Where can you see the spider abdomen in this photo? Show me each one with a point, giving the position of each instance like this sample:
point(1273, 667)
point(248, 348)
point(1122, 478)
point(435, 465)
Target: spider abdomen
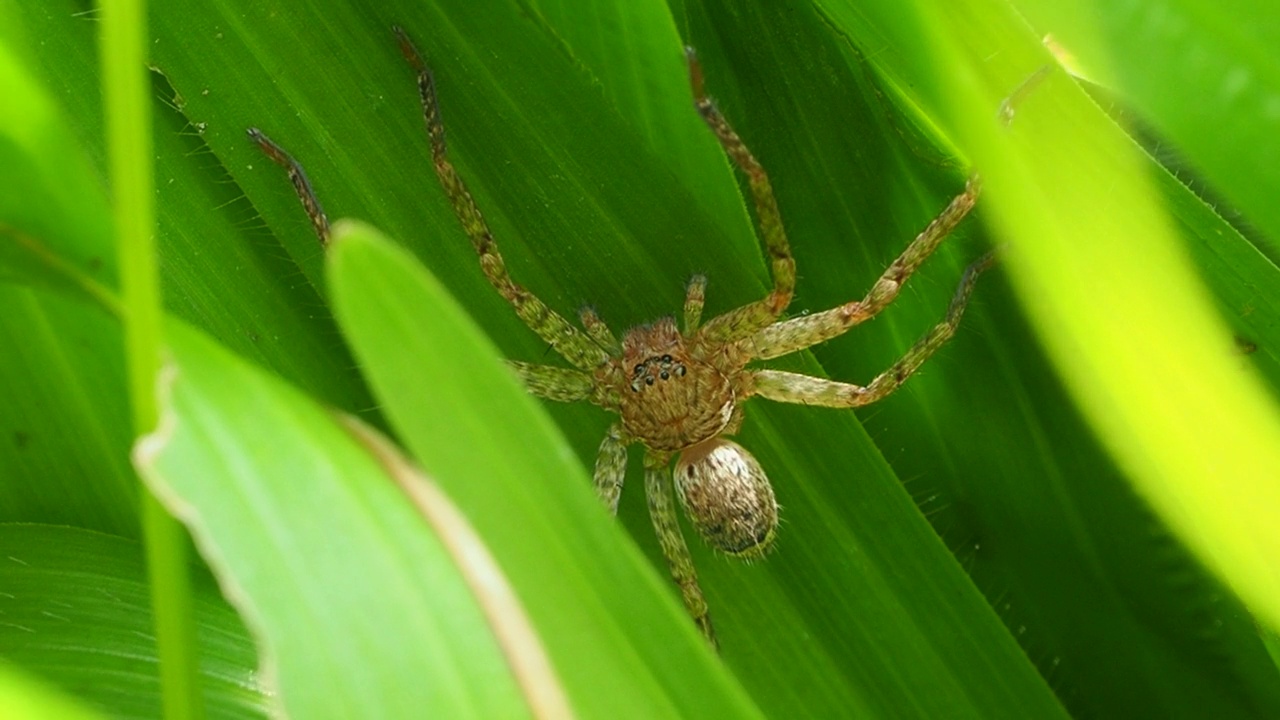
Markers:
point(728, 497)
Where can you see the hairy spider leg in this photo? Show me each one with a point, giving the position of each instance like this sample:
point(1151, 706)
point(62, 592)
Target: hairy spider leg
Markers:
point(748, 319)
point(799, 333)
point(695, 296)
point(611, 467)
point(598, 331)
point(807, 390)
point(301, 185)
point(662, 510)
point(553, 383)
point(564, 338)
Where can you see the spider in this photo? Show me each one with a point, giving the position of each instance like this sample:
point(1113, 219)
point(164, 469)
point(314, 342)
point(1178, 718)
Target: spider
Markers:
point(679, 390)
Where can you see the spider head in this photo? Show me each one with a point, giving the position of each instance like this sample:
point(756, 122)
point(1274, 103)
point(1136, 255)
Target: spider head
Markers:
point(728, 497)
point(668, 399)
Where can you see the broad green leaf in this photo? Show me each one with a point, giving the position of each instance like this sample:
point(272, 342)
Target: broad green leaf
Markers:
point(22, 696)
point(220, 270)
point(359, 608)
point(635, 53)
point(1204, 74)
point(1142, 596)
point(77, 613)
point(66, 434)
point(53, 215)
point(600, 193)
point(64, 416)
point(1179, 444)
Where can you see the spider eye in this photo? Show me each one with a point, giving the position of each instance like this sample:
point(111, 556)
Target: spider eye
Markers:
point(728, 497)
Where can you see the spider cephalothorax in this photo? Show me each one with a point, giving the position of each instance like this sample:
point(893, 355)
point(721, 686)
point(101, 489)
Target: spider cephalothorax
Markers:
point(680, 392)
point(670, 396)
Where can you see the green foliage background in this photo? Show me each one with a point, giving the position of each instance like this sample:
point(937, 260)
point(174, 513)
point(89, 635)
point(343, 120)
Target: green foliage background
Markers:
point(966, 548)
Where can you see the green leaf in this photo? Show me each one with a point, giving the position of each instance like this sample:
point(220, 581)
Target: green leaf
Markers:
point(601, 189)
point(76, 611)
point(56, 228)
point(1114, 300)
point(65, 421)
point(23, 696)
point(321, 551)
point(1051, 168)
point(1204, 74)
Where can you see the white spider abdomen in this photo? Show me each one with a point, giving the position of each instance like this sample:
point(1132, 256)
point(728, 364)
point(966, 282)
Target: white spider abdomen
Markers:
point(727, 496)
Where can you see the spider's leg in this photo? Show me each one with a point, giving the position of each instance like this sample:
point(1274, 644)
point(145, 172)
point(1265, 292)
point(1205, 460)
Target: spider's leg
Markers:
point(571, 344)
point(799, 333)
point(553, 383)
point(807, 390)
point(662, 510)
point(301, 185)
point(695, 296)
point(598, 331)
point(611, 468)
point(742, 322)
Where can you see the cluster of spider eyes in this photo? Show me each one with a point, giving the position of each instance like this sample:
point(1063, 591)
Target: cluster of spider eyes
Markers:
point(666, 366)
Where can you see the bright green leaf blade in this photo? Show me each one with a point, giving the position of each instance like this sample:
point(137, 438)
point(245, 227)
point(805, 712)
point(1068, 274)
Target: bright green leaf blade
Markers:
point(24, 697)
point(333, 568)
point(1178, 443)
point(1094, 586)
point(77, 612)
point(65, 420)
point(65, 424)
point(1205, 74)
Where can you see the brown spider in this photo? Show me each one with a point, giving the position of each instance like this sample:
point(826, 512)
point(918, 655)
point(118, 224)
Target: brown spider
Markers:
point(679, 391)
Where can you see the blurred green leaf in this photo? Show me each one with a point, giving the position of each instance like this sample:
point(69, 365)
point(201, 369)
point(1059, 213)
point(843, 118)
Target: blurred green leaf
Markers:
point(1204, 74)
point(360, 608)
point(55, 226)
point(76, 612)
point(1126, 567)
point(64, 419)
point(23, 696)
